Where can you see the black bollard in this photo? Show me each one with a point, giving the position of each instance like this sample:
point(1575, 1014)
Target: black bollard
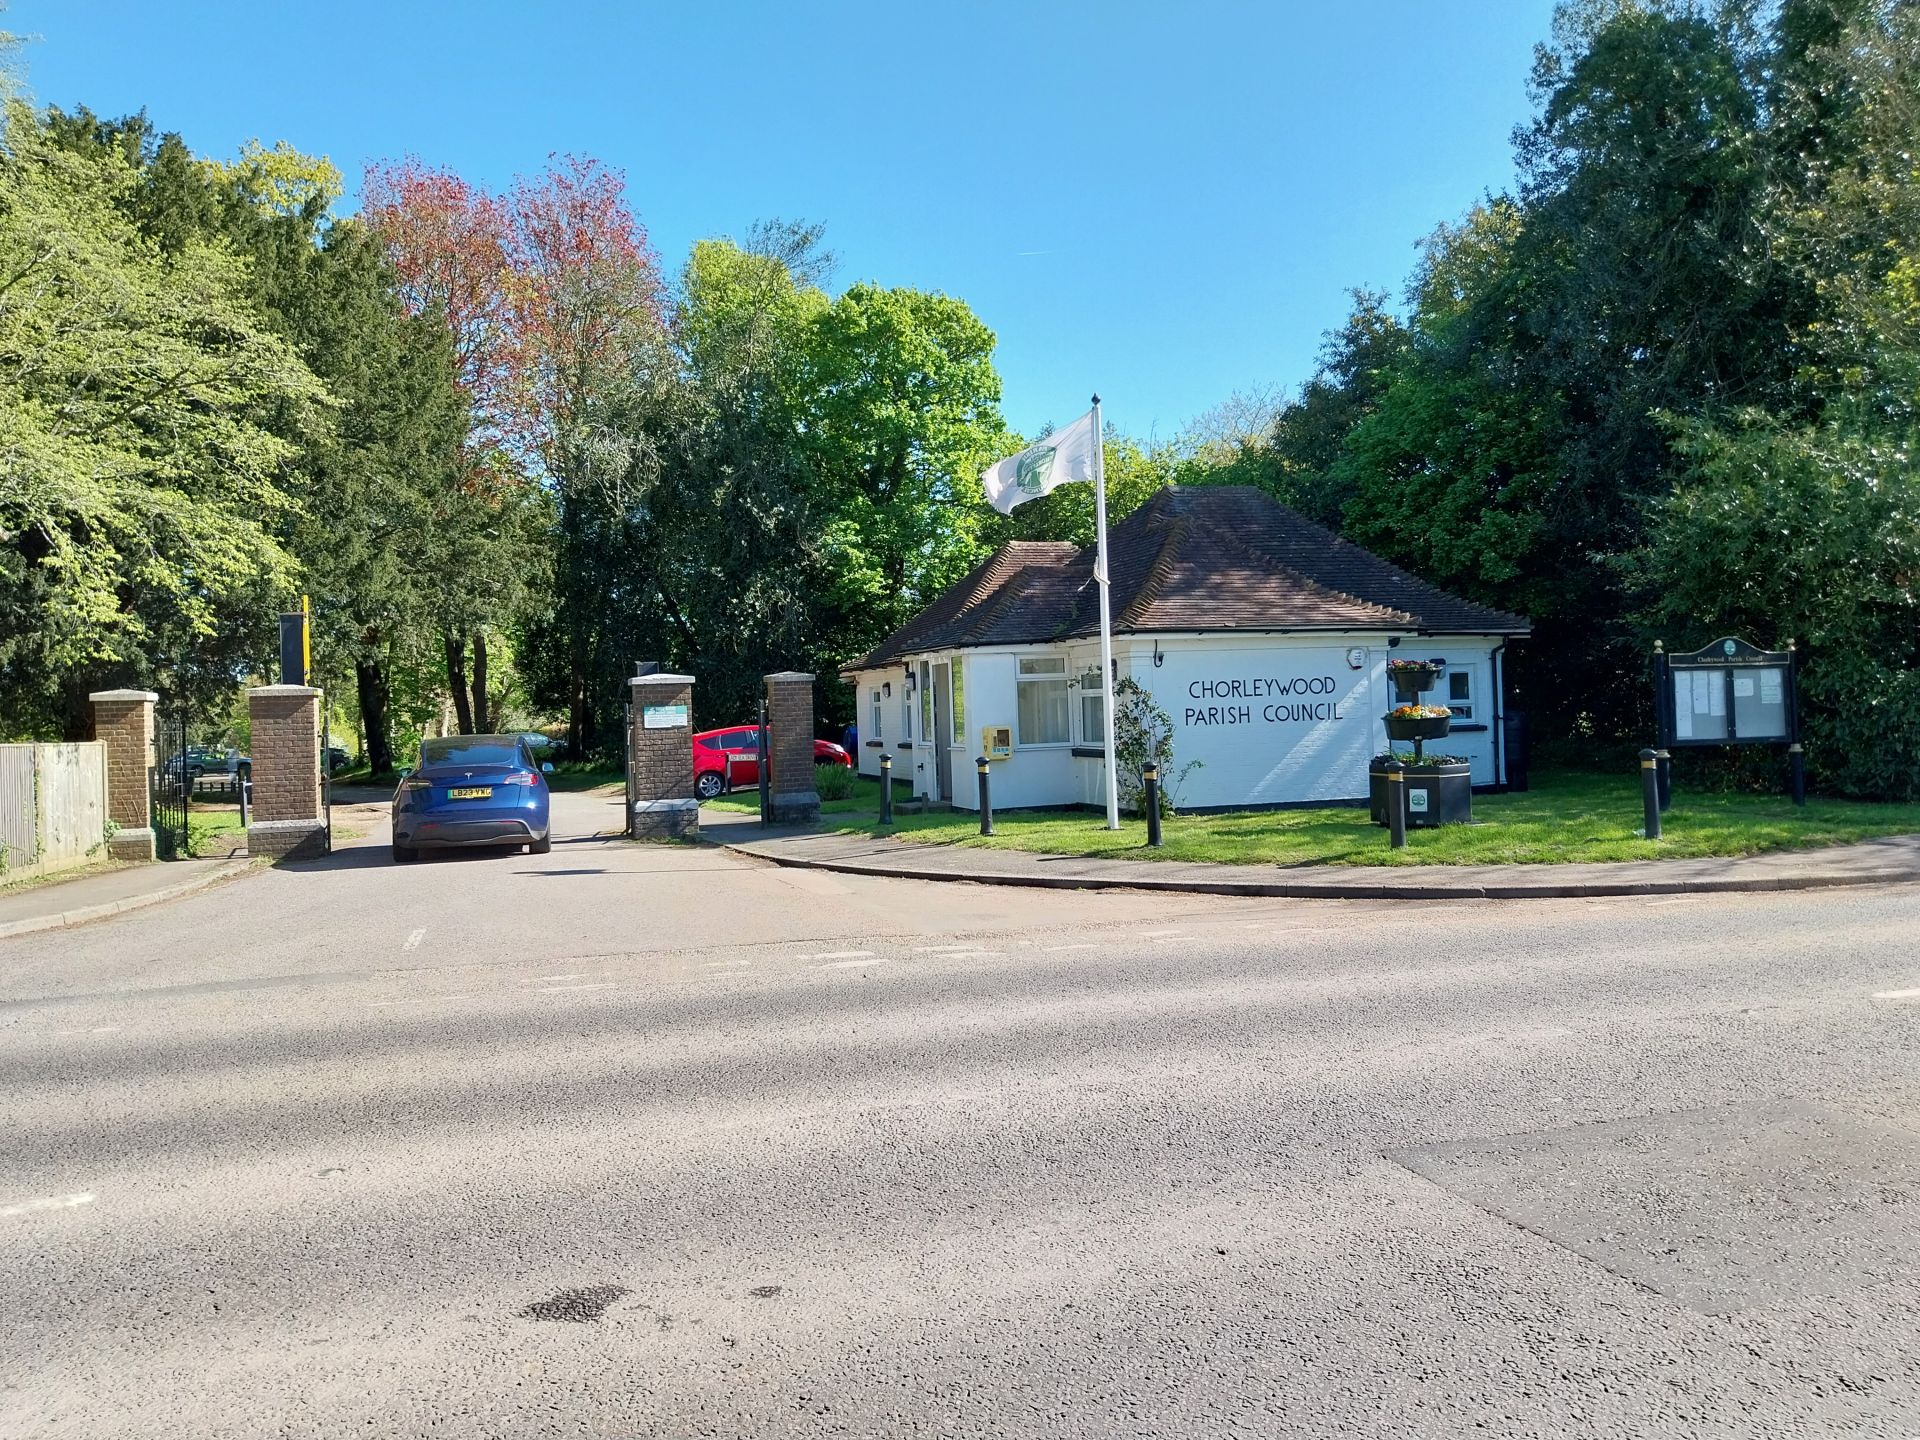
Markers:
point(886, 788)
point(1797, 763)
point(1664, 770)
point(1650, 791)
point(1150, 785)
point(1396, 805)
point(986, 800)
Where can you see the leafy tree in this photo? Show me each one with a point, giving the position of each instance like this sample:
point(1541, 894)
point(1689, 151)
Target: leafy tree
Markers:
point(139, 509)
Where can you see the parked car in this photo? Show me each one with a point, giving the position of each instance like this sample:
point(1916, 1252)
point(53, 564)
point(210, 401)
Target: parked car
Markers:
point(723, 759)
point(337, 759)
point(472, 790)
point(205, 760)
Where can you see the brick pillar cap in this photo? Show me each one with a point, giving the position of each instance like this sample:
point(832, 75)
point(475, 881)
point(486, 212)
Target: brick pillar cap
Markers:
point(283, 690)
point(660, 678)
point(150, 696)
point(790, 675)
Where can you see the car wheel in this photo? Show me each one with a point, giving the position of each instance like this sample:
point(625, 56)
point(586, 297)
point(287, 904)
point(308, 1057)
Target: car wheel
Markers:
point(405, 854)
point(245, 772)
point(541, 846)
point(709, 784)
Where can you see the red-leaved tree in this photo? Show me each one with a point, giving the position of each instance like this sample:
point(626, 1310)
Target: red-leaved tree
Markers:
point(554, 302)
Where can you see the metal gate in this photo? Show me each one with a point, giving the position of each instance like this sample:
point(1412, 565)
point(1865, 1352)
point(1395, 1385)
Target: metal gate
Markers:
point(171, 778)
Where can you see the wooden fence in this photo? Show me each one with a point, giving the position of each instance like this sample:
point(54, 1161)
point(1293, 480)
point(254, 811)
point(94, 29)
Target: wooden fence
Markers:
point(53, 807)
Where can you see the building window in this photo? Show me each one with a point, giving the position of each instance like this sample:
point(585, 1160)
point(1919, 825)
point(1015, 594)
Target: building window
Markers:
point(926, 700)
point(1460, 692)
point(1043, 711)
point(1093, 709)
point(877, 712)
point(959, 704)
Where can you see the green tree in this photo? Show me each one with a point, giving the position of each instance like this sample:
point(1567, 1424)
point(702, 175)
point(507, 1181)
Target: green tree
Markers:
point(140, 510)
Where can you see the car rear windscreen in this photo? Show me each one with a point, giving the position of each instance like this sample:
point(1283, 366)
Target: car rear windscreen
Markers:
point(468, 752)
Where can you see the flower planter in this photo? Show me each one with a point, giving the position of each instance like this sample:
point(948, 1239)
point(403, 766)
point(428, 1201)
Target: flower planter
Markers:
point(1410, 729)
point(1413, 681)
point(1436, 795)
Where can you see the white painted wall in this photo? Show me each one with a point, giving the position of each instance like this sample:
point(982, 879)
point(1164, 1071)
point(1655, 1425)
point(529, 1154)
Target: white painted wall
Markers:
point(1273, 719)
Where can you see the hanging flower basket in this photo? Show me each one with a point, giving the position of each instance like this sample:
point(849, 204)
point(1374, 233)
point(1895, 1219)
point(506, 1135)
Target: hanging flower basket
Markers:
point(1419, 722)
point(1412, 678)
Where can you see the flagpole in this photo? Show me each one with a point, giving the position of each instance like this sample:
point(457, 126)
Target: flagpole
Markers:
point(1106, 615)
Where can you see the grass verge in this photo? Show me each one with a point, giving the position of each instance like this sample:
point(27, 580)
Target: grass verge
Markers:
point(1567, 817)
point(865, 799)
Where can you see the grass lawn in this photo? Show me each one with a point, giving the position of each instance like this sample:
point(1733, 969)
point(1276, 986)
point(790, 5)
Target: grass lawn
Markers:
point(864, 799)
point(1567, 816)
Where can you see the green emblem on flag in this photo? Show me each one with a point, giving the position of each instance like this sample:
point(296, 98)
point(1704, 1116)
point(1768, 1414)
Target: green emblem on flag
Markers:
point(1030, 476)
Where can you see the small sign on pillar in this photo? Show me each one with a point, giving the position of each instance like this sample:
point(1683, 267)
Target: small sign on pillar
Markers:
point(661, 804)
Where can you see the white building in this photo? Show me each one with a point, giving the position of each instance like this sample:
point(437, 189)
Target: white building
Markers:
point(1264, 636)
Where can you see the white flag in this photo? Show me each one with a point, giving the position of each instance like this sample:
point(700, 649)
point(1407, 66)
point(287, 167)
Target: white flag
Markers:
point(1063, 457)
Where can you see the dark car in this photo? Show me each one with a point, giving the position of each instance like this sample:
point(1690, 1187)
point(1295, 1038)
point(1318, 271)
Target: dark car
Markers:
point(337, 759)
point(723, 759)
point(472, 790)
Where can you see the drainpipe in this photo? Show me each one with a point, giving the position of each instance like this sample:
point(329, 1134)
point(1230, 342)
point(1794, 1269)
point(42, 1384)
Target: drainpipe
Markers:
point(1499, 717)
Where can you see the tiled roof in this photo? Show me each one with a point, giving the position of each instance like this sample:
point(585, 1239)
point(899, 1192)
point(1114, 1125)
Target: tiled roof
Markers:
point(1193, 558)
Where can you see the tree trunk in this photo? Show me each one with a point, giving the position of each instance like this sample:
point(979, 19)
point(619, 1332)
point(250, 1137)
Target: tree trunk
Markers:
point(482, 722)
point(370, 676)
point(457, 680)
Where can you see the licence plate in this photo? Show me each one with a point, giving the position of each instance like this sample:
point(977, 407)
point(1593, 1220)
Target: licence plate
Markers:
point(471, 792)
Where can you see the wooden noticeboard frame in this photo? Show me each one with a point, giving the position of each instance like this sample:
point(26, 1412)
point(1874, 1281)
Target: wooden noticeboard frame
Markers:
point(1728, 693)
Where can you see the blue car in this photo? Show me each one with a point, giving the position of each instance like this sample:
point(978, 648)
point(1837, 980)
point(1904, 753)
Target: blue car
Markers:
point(472, 790)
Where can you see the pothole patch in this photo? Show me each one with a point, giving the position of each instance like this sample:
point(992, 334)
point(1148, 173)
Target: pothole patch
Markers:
point(577, 1306)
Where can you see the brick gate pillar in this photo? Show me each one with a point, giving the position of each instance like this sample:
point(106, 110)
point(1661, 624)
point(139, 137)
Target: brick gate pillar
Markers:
point(794, 800)
point(660, 759)
point(288, 821)
point(123, 722)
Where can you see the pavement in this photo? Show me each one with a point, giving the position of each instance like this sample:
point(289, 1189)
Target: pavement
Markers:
point(57, 903)
point(1894, 860)
point(670, 1141)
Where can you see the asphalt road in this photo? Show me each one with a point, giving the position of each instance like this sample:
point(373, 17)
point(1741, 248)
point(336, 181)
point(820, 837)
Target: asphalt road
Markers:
point(650, 1141)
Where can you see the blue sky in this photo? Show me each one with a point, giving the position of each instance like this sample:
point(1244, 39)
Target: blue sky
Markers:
point(1163, 201)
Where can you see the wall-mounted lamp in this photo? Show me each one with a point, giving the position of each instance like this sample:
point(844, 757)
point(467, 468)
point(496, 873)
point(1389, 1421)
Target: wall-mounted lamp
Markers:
point(886, 688)
point(1158, 658)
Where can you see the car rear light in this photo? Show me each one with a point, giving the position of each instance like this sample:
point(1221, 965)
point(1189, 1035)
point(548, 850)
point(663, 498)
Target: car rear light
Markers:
point(416, 784)
point(519, 778)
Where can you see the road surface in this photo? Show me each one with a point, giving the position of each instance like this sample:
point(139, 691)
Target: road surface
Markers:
point(654, 1141)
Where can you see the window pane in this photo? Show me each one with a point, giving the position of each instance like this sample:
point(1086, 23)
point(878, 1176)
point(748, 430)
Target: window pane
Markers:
point(876, 717)
point(1459, 686)
point(959, 699)
point(1043, 712)
point(1043, 665)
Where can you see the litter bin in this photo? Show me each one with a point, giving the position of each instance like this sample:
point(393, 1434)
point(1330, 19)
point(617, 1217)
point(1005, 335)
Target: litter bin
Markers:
point(1513, 739)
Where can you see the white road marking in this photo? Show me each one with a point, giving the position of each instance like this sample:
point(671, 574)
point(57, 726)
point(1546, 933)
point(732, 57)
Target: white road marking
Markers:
point(1162, 934)
point(855, 964)
point(52, 1202)
point(420, 1000)
point(1896, 994)
point(944, 949)
point(836, 955)
point(724, 964)
point(563, 989)
point(540, 979)
point(1080, 945)
point(1674, 900)
point(413, 941)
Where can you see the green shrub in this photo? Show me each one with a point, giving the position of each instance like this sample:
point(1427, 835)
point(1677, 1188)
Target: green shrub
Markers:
point(833, 782)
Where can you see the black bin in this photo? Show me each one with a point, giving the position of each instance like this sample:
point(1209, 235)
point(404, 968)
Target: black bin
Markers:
point(1514, 740)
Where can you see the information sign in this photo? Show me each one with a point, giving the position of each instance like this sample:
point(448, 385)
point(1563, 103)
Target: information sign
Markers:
point(1730, 693)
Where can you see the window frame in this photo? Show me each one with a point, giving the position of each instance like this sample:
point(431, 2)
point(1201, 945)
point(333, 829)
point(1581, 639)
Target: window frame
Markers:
point(879, 712)
point(1050, 678)
point(1463, 707)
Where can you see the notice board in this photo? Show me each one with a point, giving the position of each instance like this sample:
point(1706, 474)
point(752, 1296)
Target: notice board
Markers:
point(1728, 693)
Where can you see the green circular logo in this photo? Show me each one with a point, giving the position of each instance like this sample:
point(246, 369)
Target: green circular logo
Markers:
point(1030, 476)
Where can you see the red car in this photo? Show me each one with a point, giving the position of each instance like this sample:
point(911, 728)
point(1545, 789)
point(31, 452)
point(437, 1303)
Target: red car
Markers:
point(723, 759)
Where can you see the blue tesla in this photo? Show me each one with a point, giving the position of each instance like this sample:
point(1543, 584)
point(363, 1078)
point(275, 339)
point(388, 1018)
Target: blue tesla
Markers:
point(472, 790)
